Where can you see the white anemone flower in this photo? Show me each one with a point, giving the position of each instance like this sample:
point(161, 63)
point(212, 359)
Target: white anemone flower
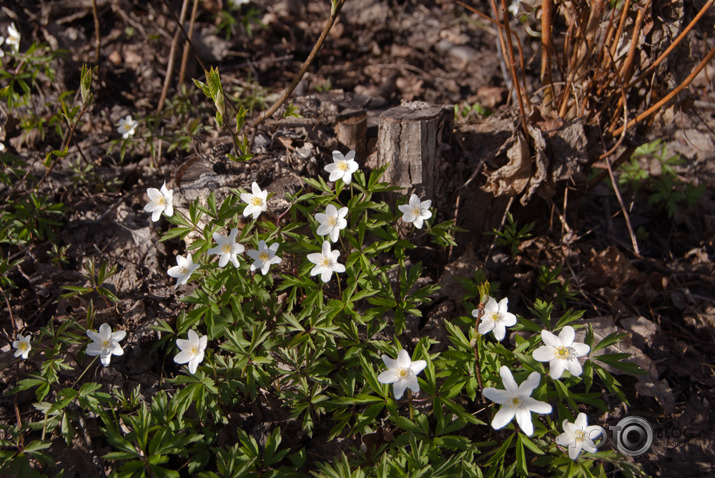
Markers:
point(256, 201)
point(160, 201)
point(192, 350)
point(13, 37)
point(579, 435)
point(127, 126)
point(332, 222)
point(326, 262)
point(342, 167)
point(402, 373)
point(2, 146)
point(227, 248)
point(22, 344)
point(105, 343)
point(496, 318)
point(264, 257)
point(561, 352)
point(183, 269)
point(516, 400)
point(416, 211)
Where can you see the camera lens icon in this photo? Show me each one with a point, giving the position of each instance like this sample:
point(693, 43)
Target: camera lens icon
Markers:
point(633, 436)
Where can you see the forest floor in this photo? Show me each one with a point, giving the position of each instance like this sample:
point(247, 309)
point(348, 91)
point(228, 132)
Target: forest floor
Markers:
point(380, 52)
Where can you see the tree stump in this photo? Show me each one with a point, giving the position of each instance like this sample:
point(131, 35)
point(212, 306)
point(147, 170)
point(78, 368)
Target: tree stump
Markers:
point(351, 130)
point(410, 139)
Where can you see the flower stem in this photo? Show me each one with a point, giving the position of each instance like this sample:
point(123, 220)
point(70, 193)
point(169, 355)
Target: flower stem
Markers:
point(477, 364)
point(409, 404)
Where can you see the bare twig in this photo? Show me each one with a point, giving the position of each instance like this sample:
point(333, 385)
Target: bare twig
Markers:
point(546, 43)
point(185, 55)
point(172, 52)
point(512, 68)
point(670, 95)
point(634, 241)
point(675, 43)
point(335, 11)
point(97, 43)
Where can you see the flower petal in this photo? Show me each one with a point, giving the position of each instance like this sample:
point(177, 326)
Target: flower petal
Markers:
point(557, 368)
point(523, 418)
point(399, 388)
point(545, 353)
point(567, 335)
point(497, 396)
point(508, 379)
point(528, 385)
point(550, 339)
point(503, 417)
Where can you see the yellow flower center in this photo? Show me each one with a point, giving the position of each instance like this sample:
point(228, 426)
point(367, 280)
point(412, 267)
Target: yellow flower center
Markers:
point(226, 248)
point(22, 346)
point(342, 165)
point(325, 262)
point(562, 352)
point(107, 344)
point(194, 350)
point(183, 271)
point(415, 211)
point(496, 317)
point(515, 401)
point(263, 256)
point(332, 221)
point(403, 373)
point(579, 435)
point(257, 202)
point(160, 200)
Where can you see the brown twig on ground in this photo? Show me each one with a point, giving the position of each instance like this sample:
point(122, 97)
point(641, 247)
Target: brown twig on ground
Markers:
point(634, 240)
point(172, 51)
point(335, 11)
point(185, 54)
point(547, 7)
point(509, 48)
point(97, 43)
point(670, 95)
point(675, 43)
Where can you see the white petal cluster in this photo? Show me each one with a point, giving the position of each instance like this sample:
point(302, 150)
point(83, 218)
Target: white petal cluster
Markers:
point(579, 435)
point(227, 248)
point(332, 222)
point(516, 400)
point(13, 37)
point(264, 257)
point(561, 352)
point(256, 201)
point(401, 373)
point(326, 262)
point(342, 167)
point(192, 350)
point(22, 346)
point(183, 269)
point(127, 126)
point(416, 211)
point(105, 343)
point(496, 318)
point(160, 201)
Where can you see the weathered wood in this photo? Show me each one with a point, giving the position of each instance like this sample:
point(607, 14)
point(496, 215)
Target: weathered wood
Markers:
point(410, 139)
point(351, 130)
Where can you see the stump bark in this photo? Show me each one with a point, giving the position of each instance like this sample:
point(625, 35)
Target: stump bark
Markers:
point(410, 139)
